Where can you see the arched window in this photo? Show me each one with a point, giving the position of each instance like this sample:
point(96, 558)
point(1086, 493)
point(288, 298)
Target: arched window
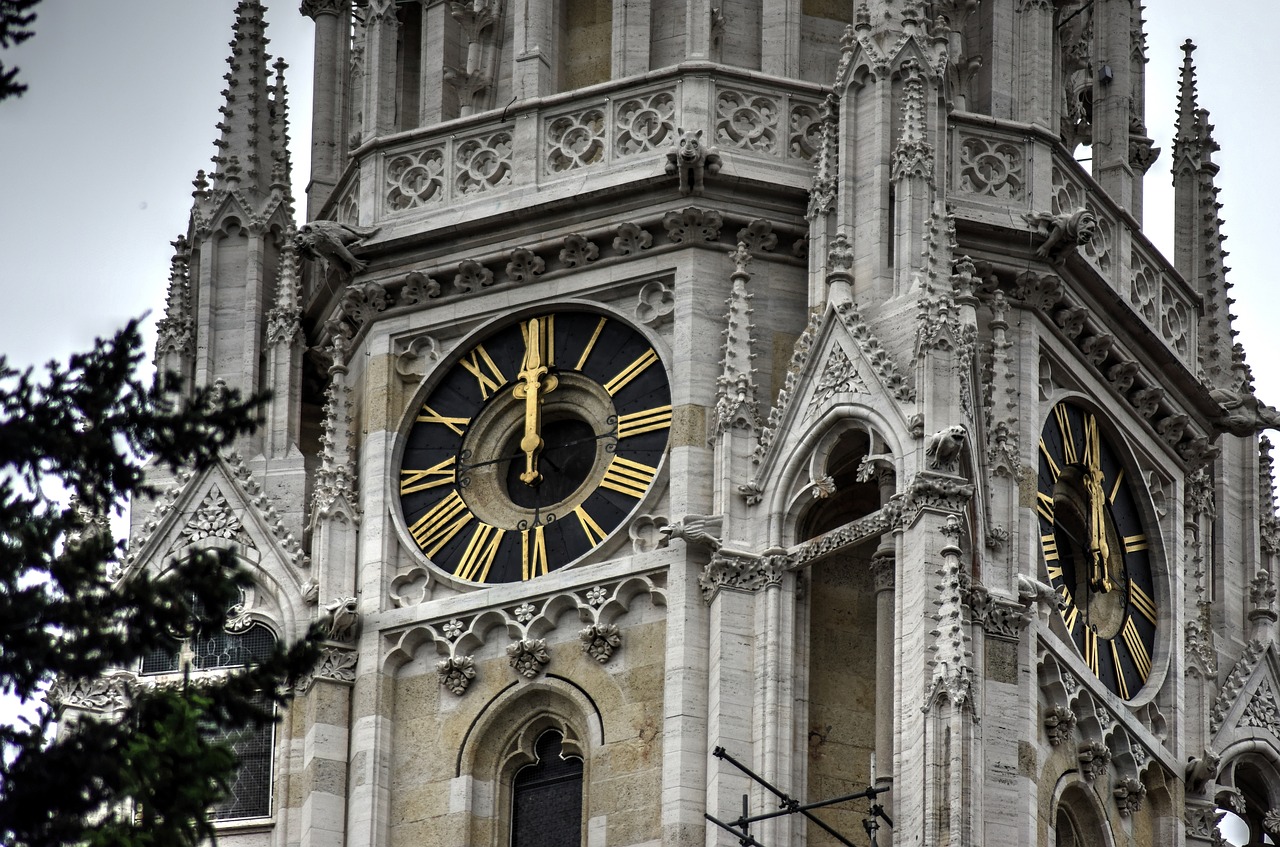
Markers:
point(237, 643)
point(546, 797)
point(1078, 822)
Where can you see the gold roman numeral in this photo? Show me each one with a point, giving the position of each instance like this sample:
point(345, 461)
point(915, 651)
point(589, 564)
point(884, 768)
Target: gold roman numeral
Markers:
point(546, 337)
point(1055, 571)
point(628, 477)
point(1121, 682)
point(659, 417)
point(594, 533)
point(630, 372)
point(1135, 543)
point(1070, 614)
point(441, 474)
point(479, 364)
point(480, 553)
point(434, 529)
point(1054, 470)
point(1050, 546)
point(1142, 602)
point(1044, 506)
point(533, 553)
point(430, 415)
point(1091, 649)
point(1137, 649)
point(591, 343)
point(1069, 455)
point(1115, 489)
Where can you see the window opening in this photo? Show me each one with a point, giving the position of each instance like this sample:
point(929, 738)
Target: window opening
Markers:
point(547, 797)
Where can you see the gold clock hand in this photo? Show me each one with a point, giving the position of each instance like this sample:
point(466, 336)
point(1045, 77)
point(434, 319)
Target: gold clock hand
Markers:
point(1100, 547)
point(534, 383)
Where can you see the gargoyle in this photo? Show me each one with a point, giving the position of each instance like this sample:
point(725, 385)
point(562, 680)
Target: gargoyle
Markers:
point(692, 161)
point(1243, 413)
point(341, 619)
point(943, 448)
point(330, 241)
point(1201, 769)
point(1034, 591)
point(1062, 233)
point(696, 530)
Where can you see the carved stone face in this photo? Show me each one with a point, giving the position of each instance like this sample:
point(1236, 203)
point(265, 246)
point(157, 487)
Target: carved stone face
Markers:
point(691, 146)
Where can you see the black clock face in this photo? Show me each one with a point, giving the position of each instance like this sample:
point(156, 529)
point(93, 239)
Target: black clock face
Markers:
point(1097, 549)
point(534, 446)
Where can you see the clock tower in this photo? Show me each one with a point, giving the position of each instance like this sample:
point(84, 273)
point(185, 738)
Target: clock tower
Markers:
point(677, 405)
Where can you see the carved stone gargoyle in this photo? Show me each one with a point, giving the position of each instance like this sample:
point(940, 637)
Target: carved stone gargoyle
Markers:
point(692, 160)
point(1062, 233)
point(1243, 413)
point(331, 242)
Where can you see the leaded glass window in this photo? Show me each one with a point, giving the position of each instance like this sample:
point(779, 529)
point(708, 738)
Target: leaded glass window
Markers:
point(547, 797)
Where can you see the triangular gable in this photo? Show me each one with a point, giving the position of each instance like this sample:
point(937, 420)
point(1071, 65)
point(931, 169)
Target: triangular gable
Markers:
point(223, 506)
point(1247, 706)
point(837, 362)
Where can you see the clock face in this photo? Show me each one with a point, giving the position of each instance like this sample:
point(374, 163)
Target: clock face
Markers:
point(534, 446)
point(1096, 549)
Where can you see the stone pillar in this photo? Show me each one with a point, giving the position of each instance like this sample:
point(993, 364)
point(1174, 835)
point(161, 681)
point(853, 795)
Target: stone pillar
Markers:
point(884, 574)
point(780, 38)
point(326, 113)
point(381, 32)
point(1112, 86)
point(632, 26)
point(534, 49)
point(325, 749)
point(1036, 60)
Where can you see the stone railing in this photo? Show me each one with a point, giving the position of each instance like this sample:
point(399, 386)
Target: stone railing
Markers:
point(998, 174)
point(754, 120)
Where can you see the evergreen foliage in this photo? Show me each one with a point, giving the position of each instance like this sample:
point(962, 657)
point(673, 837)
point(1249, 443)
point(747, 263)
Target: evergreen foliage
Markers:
point(16, 18)
point(150, 774)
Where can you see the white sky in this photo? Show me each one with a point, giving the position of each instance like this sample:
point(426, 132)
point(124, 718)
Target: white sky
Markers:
point(97, 158)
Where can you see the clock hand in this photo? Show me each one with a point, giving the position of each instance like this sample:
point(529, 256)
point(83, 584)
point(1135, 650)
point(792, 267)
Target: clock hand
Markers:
point(1099, 547)
point(534, 382)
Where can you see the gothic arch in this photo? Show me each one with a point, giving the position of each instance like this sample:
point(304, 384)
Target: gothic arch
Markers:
point(1079, 818)
point(503, 739)
point(1249, 785)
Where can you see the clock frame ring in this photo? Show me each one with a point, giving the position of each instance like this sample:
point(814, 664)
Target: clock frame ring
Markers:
point(1101, 548)
point(533, 444)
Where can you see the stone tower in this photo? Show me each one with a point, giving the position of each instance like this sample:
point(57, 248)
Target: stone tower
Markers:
point(679, 401)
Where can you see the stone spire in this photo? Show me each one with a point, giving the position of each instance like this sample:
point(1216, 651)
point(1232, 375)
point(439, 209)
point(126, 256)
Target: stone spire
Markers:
point(246, 154)
point(175, 332)
point(736, 401)
point(281, 165)
point(1198, 234)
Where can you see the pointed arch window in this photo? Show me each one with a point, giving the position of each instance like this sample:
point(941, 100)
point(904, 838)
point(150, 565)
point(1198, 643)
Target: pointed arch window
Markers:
point(546, 801)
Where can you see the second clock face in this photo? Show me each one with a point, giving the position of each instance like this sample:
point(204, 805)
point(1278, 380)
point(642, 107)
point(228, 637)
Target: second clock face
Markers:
point(1096, 549)
point(535, 445)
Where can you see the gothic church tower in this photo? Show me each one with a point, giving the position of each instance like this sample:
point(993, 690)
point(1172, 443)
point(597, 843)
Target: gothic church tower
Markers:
point(677, 403)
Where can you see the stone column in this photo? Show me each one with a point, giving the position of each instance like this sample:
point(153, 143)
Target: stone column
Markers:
point(326, 112)
point(534, 53)
point(632, 25)
point(325, 748)
point(780, 38)
point(381, 32)
point(884, 574)
point(1112, 86)
point(1037, 62)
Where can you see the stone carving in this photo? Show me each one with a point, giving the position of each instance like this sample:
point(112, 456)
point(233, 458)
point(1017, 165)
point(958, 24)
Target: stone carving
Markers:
point(1032, 591)
point(692, 161)
point(456, 673)
point(471, 275)
point(1261, 710)
point(341, 619)
point(252, 492)
point(644, 122)
point(600, 640)
point(528, 656)
point(1146, 401)
point(943, 449)
point(1121, 375)
point(311, 591)
point(695, 530)
point(1129, 793)
point(1094, 756)
point(1234, 683)
point(840, 375)
point(418, 288)
point(631, 239)
point(951, 662)
point(823, 487)
point(415, 179)
point(363, 303)
point(482, 163)
point(1058, 723)
point(692, 225)
point(214, 519)
point(646, 533)
point(875, 524)
point(656, 303)
point(1243, 413)
point(97, 695)
point(744, 573)
point(1200, 770)
point(1039, 291)
point(1096, 348)
point(524, 265)
point(331, 243)
point(416, 357)
point(1202, 822)
point(1172, 428)
point(747, 121)
point(758, 236)
point(575, 140)
point(335, 664)
point(577, 251)
point(1062, 233)
point(1271, 821)
point(991, 167)
point(1262, 594)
